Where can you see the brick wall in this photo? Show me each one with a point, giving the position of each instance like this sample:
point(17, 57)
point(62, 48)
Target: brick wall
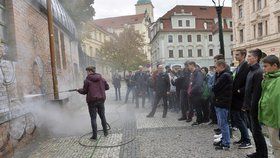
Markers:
point(29, 71)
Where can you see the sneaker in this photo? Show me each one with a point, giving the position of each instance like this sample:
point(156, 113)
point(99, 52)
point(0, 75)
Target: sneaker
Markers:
point(217, 143)
point(189, 120)
point(182, 119)
point(217, 136)
point(149, 116)
point(222, 147)
point(253, 155)
point(105, 134)
point(238, 142)
point(218, 139)
point(218, 133)
point(245, 145)
point(93, 138)
point(217, 130)
point(163, 116)
point(195, 124)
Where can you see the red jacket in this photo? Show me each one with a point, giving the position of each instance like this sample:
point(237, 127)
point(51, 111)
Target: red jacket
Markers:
point(94, 87)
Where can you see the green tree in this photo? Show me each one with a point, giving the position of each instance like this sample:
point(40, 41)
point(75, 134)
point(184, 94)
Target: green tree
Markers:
point(81, 11)
point(125, 51)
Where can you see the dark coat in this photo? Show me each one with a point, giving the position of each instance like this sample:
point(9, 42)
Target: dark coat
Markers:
point(182, 82)
point(94, 87)
point(129, 79)
point(223, 90)
point(196, 82)
point(141, 82)
point(116, 80)
point(162, 83)
point(253, 89)
point(239, 83)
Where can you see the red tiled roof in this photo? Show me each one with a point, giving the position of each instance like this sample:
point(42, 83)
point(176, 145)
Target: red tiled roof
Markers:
point(119, 22)
point(201, 13)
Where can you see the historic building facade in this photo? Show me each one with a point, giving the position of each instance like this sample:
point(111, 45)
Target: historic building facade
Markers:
point(140, 21)
point(92, 44)
point(190, 33)
point(257, 25)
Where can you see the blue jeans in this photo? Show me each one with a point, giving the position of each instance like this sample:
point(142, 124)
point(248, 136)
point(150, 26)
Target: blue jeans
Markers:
point(222, 117)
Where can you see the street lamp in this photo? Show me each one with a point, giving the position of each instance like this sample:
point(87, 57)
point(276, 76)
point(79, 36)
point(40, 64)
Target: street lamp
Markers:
point(219, 8)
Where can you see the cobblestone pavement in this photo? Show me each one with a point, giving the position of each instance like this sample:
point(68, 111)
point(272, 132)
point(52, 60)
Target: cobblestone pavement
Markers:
point(150, 138)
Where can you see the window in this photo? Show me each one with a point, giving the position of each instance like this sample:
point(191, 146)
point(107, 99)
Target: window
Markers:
point(260, 29)
point(198, 38)
point(180, 38)
point(188, 23)
point(189, 38)
point(199, 53)
point(211, 52)
point(63, 55)
point(190, 53)
point(171, 55)
point(278, 23)
point(259, 4)
point(230, 24)
point(264, 3)
point(241, 37)
point(181, 53)
point(240, 11)
point(210, 38)
point(57, 51)
point(231, 38)
point(180, 23)
point(170, 39)
point(266, 28)
point(254, 27)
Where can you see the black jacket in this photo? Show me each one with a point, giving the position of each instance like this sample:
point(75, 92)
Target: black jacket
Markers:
point(223, 90)
point(253, 89)
point(162, 83)
point(141, 81)
point(196, 82)
point(239, 83)
point(182, 82)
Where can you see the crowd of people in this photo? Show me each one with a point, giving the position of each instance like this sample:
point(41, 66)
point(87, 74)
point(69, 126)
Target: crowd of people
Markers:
point(246, 98)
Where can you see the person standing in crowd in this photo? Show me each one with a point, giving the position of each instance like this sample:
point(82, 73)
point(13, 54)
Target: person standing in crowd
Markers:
point(140, 80)
point(182, 83)
point(95, 87)
point(238, 93)
point(205, 95)
point(223, 95)
point(162, 90)
point(117, 85)
point(251, 100)
point(269, 105)
point(130, 85)
point(211, 81)
point(195, 92)
point(172, 97)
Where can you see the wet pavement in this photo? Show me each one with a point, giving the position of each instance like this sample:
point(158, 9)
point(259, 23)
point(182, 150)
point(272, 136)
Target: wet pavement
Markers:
point(132, 135)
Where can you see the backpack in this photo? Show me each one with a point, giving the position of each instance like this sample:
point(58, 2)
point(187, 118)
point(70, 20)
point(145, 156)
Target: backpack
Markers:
point(206, 91)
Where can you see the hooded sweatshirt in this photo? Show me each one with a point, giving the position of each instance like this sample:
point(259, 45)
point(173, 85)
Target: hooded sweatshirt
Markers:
point(94, 87)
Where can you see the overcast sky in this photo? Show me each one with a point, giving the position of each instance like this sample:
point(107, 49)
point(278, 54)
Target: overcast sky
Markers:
point(112, 8)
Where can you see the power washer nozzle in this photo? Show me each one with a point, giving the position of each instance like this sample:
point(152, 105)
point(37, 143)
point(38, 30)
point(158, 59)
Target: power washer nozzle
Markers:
point(72, 90)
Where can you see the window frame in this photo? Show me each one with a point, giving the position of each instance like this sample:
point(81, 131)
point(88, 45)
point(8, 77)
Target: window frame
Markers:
point(189, 38)
point(181, 53)
point(171, 52)
point(170, 38)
